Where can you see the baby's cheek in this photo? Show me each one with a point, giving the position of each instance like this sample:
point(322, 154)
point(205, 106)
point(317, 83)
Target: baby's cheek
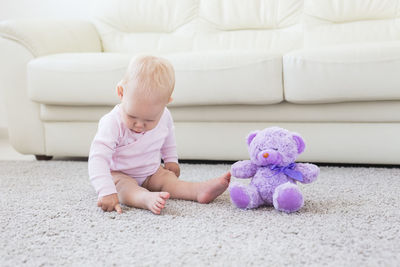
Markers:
point(151, 125)
point(128, 123)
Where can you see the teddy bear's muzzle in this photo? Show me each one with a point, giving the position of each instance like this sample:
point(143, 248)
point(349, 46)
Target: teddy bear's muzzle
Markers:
point(269, 157)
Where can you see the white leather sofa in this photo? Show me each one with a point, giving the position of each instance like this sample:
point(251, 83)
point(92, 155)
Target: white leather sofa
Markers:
point(328, 69)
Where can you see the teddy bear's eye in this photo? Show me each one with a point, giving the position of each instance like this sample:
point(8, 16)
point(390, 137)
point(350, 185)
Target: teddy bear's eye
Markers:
point(261, 149)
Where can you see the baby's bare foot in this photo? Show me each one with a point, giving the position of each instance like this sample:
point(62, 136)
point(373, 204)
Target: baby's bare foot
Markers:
point(155, 201)
point(211, 189)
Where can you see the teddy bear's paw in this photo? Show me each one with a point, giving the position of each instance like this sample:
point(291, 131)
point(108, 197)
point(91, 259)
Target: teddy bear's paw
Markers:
point(309, 171)
point(239, 196)
point(288, 198)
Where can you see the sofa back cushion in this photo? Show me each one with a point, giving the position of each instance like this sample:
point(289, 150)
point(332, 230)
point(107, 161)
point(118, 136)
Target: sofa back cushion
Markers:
point(165, 26)
point(158, 16)
point(333, 22)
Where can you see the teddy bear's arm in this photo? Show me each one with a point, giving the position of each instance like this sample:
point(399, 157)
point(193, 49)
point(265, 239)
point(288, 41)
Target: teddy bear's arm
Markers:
point(243, 169)
point(309, 171)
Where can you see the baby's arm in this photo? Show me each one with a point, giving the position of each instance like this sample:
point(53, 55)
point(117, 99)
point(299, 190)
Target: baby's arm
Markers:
point(168, 150)
point(101, 151)
point(109, 203)
point(243, 169)
point(173, 167)
point(310, 172)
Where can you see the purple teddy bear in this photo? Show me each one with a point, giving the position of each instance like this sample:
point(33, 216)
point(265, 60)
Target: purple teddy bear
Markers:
point(273, 152)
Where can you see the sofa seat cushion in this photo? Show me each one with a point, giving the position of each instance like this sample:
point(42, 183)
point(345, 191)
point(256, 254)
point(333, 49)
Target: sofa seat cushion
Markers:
point(377, 111)
point(356, 72)
point(202, 78)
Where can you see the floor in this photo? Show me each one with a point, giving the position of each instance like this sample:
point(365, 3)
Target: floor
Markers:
point(49, 217)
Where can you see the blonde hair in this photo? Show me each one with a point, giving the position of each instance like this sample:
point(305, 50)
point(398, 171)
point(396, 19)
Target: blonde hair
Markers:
point(151, 75)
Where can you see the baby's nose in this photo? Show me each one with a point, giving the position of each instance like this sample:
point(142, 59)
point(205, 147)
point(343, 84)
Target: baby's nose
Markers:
point(139, 124)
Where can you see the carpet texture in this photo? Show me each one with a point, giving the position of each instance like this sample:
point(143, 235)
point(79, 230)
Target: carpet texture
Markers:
point(49, 216)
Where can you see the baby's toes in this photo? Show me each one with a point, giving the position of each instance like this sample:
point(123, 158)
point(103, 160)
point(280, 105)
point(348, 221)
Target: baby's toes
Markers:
point(161, 201)
point(155, 209)
point(160, 206)
point(164, 195)
point(227, 177)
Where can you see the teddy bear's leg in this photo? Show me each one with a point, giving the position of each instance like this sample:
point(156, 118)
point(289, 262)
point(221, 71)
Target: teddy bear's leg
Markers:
point(288, 198)
point(245, 197)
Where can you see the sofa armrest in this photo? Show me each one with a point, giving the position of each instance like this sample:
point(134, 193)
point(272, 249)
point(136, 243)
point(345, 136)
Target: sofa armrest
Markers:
point(44, 36)
point(25, 129)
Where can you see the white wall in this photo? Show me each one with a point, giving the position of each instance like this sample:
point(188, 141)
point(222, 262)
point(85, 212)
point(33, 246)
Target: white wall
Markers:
point(17, 9)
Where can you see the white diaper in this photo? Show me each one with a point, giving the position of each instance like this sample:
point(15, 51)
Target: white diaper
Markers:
point(140, 180)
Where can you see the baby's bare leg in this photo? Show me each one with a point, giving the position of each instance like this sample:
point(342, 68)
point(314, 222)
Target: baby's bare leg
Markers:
point(203, 192)
point(131, 194)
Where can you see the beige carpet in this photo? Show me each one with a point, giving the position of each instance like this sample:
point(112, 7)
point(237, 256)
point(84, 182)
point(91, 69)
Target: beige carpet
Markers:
point(48, 216)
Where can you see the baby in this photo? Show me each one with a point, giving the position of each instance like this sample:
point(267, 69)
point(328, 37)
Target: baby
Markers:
point(125, 155)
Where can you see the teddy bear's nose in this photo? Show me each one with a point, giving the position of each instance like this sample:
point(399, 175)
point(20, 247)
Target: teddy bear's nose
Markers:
point(265, 155)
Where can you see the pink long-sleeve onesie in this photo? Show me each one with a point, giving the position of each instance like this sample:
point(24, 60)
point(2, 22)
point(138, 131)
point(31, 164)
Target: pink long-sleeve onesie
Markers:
point(116, 148)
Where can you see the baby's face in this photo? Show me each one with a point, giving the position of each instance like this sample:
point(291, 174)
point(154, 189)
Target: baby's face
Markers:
point(140, 114)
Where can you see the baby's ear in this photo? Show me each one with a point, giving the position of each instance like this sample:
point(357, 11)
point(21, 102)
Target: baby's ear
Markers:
point(120, 91)
point(301, 146)
point(251, 136)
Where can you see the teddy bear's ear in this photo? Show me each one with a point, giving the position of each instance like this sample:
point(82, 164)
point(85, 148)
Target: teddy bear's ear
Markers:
point(300, 142)
point(251, 136)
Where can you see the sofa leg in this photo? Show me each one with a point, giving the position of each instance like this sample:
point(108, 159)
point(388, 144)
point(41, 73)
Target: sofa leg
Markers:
point(43, 157)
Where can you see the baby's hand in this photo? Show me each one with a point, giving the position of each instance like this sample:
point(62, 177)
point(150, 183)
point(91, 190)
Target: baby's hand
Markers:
point(173, 167)
point(110, 203)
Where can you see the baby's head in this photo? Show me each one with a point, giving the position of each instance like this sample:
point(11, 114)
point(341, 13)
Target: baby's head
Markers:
point(144, 91)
